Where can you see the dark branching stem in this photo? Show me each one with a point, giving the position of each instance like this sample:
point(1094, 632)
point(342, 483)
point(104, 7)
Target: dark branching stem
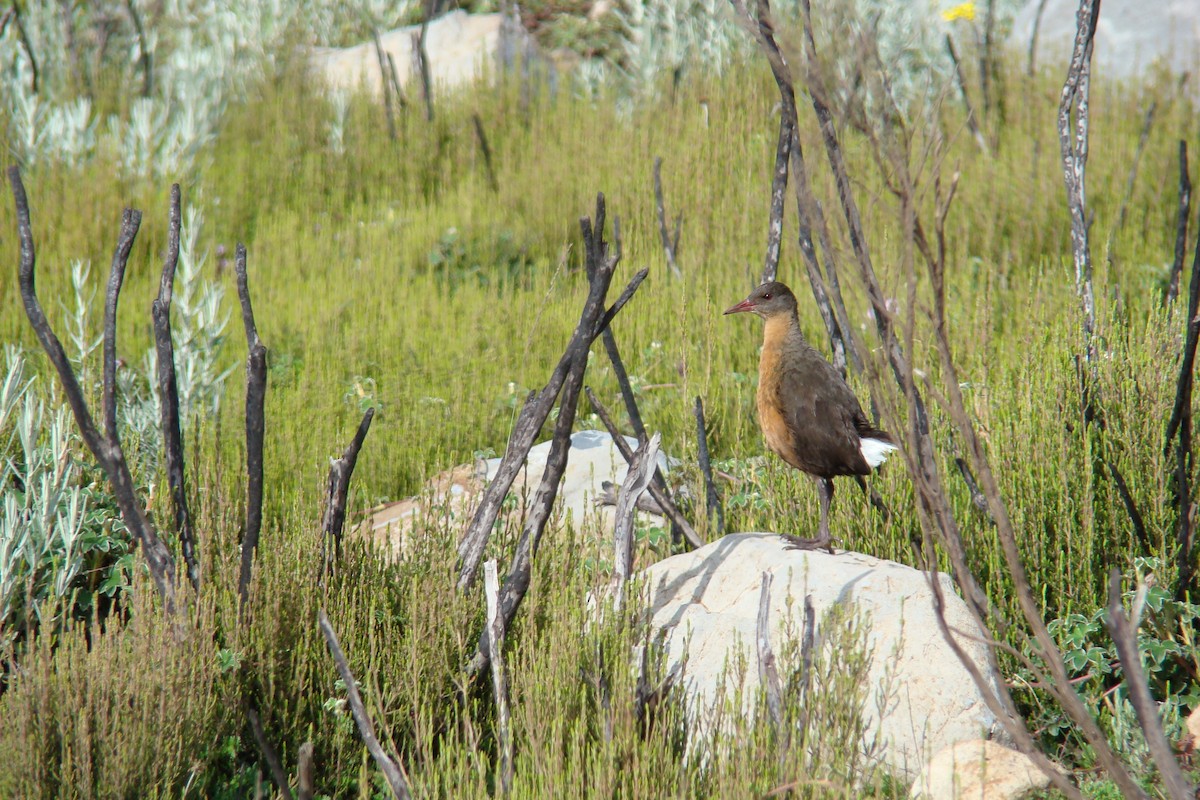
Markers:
point(366, 728)
point(168, 392)
point(660, 208)
point(487, 153)
point(1181, 424)
point(495, 641)
point(1124, 636)
point(256, 395)
point(421, 56)
point(768, 671)
point(592, 322)
point(131, 220)
point(1074, 146)
point(340, 472)
point(385, 83)
point(107, 450)
point(978, 499)
point(658, 486)
point(779, 179)
point(1181, 224)
point(637, 480)
point(279, 775)
point(712, 499)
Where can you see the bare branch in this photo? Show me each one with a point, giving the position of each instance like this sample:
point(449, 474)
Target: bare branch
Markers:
point(487, 153)
point(1031, 64)
point(495, 638)
point(1125, 638)
point(145, 57)
point(278, 774)
point(130, 222)
point(1181, 225)
point(1181, 423)
point(972, 123)
point(661, 209)
point(712, 500)
point(305, 779)
point(107, 451)
point(637, 479)
point(168, 392)
point(768, 672)
point(658, 486)
point(387, 765)
point(385, 83)
point(256, 395)
point(340, 472)
point(421, 58)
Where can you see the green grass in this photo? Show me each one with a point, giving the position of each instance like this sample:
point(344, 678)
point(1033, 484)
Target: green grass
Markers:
point(348, 302)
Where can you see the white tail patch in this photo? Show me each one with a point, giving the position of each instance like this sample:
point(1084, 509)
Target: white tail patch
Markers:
point(875, 451)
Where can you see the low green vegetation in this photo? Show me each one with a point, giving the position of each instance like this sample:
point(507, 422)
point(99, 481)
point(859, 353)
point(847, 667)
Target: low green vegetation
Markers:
point(387, 274)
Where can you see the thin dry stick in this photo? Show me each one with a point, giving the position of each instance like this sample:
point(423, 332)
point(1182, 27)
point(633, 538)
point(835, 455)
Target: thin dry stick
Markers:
point(107, 450)
point(168, 392)
point(145, 57)
point(256, 395)
point(340, 472)
point(387, 765)
point(23, 37)
point(487, 153)
point(395, 76)
point(779, 180)
point(635, 419)
point(1131, 179)
point(305, 778)
point(657, 489)
point(661, 209)
point(977, 498)
point(712, 500)
point(1031, 67)
point(421, 57)
point(1181, 225)
point(592, 322)
point(278, 774)
point(1125, 638)
point(1074, 146)
point(382, 57)
point(987, 62)
point(972, 123)
point(637, 479)
point(495, 636)
point(1181, 423)
point(768, 672)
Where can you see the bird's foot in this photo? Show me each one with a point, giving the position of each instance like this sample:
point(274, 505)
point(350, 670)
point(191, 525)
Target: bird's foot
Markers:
point(799, 543)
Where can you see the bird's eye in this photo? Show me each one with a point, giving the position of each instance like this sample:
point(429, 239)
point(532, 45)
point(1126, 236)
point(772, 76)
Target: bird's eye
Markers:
point(767, 296)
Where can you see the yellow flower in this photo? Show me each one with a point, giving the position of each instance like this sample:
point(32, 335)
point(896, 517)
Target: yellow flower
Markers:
point(961, 11)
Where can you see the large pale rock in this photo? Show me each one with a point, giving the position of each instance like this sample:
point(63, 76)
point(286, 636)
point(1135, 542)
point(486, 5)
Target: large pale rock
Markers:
point(1132, 36)
point(707, 601)
point(452, 496)
point(461, 48)
point(979, 770)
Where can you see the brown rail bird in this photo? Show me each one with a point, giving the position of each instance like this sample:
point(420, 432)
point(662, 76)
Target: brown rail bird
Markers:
point(809, 416)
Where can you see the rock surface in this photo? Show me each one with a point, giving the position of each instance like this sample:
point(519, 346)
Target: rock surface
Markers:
point(707, 602)
point(453, 494)
point(461, 48)
point(1131, 36)
point(979, 770)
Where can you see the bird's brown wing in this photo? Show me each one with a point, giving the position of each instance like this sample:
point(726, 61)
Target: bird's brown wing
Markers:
point(824, 419)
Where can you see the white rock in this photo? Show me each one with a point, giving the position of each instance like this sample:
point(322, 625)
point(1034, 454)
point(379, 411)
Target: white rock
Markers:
point(592, 459)
point(707, 601)
point(978, 770)
point(461, 48)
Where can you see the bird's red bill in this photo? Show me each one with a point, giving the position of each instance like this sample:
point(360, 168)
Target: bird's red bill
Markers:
point(745, 305)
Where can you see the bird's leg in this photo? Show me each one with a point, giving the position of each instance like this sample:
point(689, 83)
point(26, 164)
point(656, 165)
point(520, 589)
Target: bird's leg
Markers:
point(824, 538)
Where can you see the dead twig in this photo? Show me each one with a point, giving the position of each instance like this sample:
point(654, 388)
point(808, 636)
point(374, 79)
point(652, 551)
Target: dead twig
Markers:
point(669, 247)
point(637, 479)
point(106, 448)
point(1181, 225)
point(1181, 423)
point(495, 637)
point(972, 123)
point(712, 500)
point(1124, 636)
point(145, 57)
point(421, 58)
point(366, 728)
point(340, 472)
point(305, 779)
point(256, 395)
point(385, 82)
point(278, 774)
point(487, 153)
point(657, 488)
point(768, 672)
point(168, 392)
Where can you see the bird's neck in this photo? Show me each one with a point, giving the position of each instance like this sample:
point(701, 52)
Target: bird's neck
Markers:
point(781, 331)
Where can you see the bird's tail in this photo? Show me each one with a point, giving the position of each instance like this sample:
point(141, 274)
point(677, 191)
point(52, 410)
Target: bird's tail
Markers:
point(875, 451)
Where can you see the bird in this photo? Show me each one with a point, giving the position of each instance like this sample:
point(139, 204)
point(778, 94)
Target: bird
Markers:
point(809, 416)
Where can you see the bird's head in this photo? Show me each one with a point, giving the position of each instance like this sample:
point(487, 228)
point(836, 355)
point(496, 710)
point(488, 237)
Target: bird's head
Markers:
point(767, 300)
